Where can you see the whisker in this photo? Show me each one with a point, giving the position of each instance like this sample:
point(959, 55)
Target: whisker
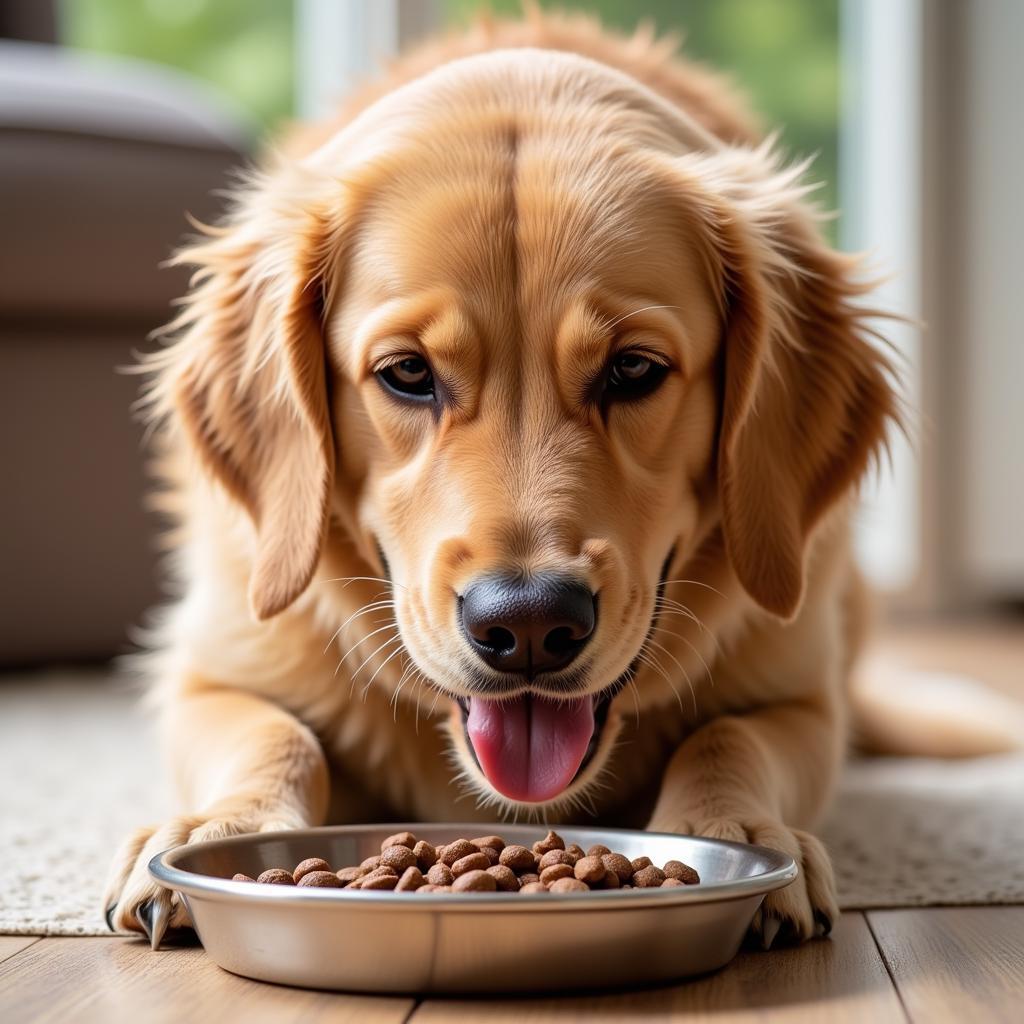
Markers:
point(695, 583)
point(626, 316)
point(686, 675)
point(366, 688)
point(707, 668)
point(359, 611)
point(370, 657)
point(369, 579)
point(362, 640)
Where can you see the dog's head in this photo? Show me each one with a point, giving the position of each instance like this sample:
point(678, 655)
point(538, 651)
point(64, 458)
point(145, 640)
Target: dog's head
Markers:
point(529, 354)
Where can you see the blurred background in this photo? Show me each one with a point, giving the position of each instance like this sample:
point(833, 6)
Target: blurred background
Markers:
point(118, 116)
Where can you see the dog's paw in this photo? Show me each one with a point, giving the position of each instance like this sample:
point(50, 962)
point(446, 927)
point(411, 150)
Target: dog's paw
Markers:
point(802, 910)
point(134, 902)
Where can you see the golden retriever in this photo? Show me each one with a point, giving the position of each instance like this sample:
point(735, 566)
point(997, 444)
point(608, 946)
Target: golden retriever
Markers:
point(512, 426)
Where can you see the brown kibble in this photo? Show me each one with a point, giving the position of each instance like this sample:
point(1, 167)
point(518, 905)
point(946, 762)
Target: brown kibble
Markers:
point(534, 887)
point(649, 877)
point(683, 872)
point(310, 864)
point(619, 865)
point(398, 857)
point(456, 851)
point(552, 841)
point(370, 863)
point(598, 850)
point(440, 874)
point(494, 842)
point(475, 861)
point(552, 874)
point(427, 887)
point(348, 875)
point(505, 877)
point(610, 880)
point(276, 876)
point(518, 858)
point(426, 855)
point(406, 839)
point(490, 853)
point(412, 879)
point(589, 869)
point(575, 851)
point(555, 857)
point(569, 885)
point(375, 880)
point(239, 877)
point(673, 883)
point(639, 863)
point(475, 881)
point(320, 880)
point(528, 877)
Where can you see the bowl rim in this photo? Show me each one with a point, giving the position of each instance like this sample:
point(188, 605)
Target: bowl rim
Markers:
point(782, 870)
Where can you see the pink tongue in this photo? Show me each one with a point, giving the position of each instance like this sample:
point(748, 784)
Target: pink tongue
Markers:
point(530, 748)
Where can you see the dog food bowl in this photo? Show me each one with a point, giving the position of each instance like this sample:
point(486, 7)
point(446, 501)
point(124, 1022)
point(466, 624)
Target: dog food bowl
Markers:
point(388, 942)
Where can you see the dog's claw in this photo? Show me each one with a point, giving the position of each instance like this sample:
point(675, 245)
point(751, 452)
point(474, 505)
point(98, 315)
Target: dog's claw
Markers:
point(822, 923)
point(769, 930)
point(109, 916)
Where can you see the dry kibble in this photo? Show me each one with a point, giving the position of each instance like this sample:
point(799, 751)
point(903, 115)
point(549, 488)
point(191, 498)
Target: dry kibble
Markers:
point(649, 877)
point(484, 864)
point(552, 874)
point(320, 880)
point(276, 876)
point(378, 881)
point(534, 887)
point(618, 864)
point(518, 858)
point(309, 864)
point(589, 869)
point(569, 885)
point(412, 879)
point(440, 874)
point(348, 875)
point(426, 855)
point(398, 857)
point(456, 851)
point(494, 842)
point(475, 861)
point(683, 872)
point(505, 877)
point(552, 841)
point(399, 839)
point(556, 857)
point(475, 881)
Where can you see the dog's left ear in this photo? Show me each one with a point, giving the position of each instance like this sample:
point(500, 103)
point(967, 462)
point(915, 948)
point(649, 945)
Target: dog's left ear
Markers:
point(246, 380)
point(807, 398)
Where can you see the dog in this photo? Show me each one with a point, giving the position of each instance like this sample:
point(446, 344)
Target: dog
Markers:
point(511, 429)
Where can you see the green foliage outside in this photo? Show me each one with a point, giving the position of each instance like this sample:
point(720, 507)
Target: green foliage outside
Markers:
point(244, 48)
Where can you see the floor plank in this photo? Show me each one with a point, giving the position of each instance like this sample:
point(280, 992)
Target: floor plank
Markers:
point(955, 963)
point(838, 980)
point(116, 980)
point(11, 944)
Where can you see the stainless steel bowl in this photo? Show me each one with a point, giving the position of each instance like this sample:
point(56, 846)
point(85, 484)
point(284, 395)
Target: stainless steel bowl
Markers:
point(480, 942)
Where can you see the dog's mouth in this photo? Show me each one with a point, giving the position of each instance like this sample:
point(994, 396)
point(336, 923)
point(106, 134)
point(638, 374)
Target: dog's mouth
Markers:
point(531, 747)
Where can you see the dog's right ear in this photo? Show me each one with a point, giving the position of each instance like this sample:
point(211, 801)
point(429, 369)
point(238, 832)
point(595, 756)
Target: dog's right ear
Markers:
point(246, 379)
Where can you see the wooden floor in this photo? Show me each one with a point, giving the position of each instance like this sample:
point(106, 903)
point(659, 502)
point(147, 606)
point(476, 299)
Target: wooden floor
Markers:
point(963, 964)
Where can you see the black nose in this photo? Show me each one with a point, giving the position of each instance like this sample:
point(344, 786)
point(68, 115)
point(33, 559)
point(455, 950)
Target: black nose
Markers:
point(528, 626)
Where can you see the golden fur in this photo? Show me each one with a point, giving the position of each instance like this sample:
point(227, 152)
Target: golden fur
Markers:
point(514, 203)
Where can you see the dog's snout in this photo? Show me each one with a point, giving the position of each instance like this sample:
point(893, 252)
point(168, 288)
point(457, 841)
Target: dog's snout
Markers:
point(528, 626)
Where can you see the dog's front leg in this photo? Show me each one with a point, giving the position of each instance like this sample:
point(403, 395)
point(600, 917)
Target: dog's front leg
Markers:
point(762, 778)
point(241, 765)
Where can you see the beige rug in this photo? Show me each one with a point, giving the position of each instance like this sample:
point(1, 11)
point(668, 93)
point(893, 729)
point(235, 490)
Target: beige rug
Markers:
point(78, 771)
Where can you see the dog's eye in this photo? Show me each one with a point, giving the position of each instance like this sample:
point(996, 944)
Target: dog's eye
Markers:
point(633, 375)
point(409, 377)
